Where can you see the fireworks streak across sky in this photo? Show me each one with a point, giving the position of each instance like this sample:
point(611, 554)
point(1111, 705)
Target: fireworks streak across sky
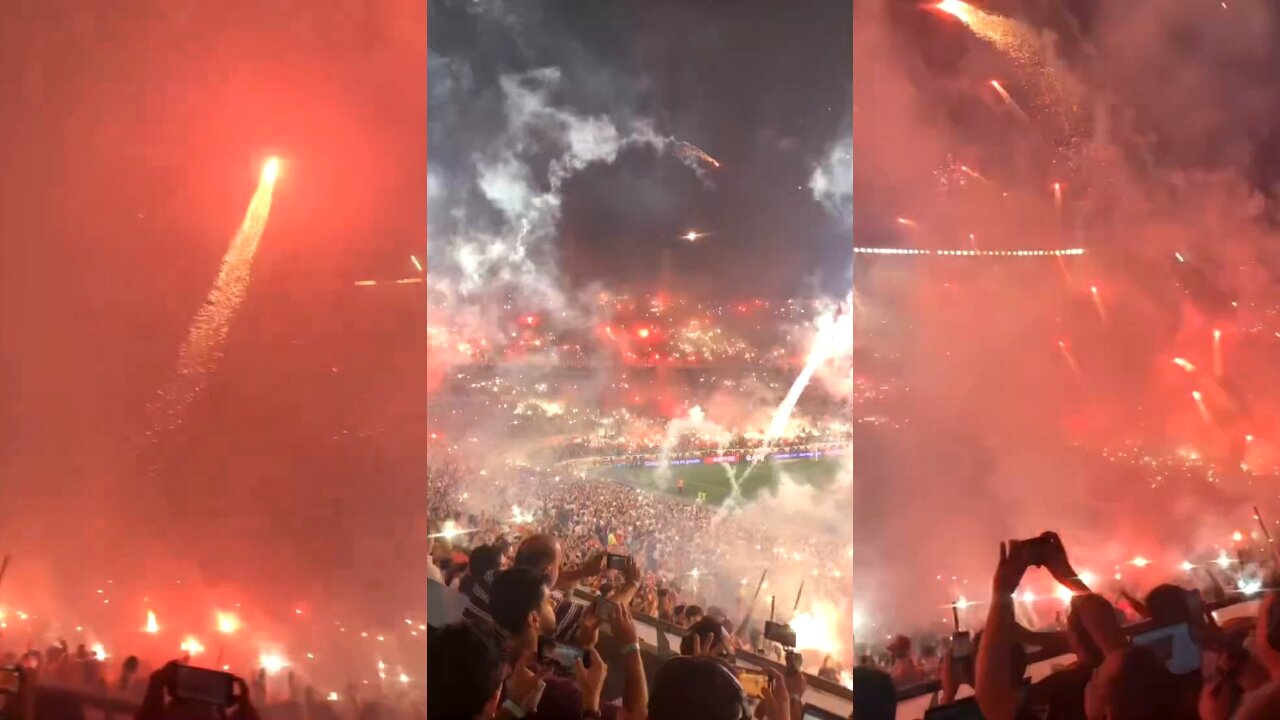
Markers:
point(200, 354)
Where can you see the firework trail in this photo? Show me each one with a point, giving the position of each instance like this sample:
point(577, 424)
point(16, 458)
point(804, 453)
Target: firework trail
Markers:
point(199, 356)
point(1009, 101)
point(1071, 359)
point(690, 154)
point(830, 326)
point(1018, 42)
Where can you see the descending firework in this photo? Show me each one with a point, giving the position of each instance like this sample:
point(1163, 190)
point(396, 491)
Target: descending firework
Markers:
point(1008, 100)
point(1020, 43)
point(691, 154)
point(1204, 410)
point(199, 356)
point(1182, 363)
point(417, 265)
point(1217, 353)
point(152, 627)
point(1057, 196)
point(1071, 360)
point(1097, 303)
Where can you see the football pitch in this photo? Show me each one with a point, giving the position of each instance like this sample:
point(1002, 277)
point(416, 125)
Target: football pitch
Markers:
point(712, 481)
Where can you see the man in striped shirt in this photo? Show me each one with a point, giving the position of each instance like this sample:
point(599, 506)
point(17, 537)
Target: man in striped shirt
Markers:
point(543, 553)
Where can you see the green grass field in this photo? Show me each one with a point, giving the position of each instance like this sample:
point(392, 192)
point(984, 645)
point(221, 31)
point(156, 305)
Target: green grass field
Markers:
point(714, 482)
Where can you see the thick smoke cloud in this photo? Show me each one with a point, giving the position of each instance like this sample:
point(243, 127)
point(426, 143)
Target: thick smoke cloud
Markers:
point(996, 435)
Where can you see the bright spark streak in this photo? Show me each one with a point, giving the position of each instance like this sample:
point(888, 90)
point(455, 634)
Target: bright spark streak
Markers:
point(200, 354)
point(1180, 362)
point(1217, 352)
point(1097, 303)
point(1187, 566)
point(152, 626)
point(1179, 256)
point(414, 259)
point(1204, 410)
point(1223, 561)
point(1057, 195)
point(907, 222)
point(962, 11)
point(271, 171)
point(272, 663)
point(1140, 562)
point(228, 623)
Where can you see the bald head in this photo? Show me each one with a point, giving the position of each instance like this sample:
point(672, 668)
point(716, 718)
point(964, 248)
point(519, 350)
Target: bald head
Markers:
point(542, 553)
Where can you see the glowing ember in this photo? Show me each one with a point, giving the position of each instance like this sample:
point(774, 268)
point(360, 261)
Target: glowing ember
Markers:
point(228, 623)
point(1140, 562)
point(272, 663)
point(191, 646)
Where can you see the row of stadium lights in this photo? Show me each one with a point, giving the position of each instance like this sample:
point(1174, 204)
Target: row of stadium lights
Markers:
point(970, 253)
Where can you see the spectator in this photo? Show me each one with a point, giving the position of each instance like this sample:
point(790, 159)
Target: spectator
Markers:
point(706, 638)
point(692, 614)
point(464, 672)
point(524, 610)
point(700, 688)
point(1264, 702)
point(874, 696)
point(904, 670)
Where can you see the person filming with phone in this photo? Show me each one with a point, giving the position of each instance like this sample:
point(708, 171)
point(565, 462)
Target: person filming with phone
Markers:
point(552, 679)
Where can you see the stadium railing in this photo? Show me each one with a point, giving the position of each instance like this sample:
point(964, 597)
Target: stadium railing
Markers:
point(830, 696)
point(1236, 604)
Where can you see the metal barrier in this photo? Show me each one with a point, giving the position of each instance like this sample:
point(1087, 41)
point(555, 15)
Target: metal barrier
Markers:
point(830, 696)
point(1238, 606)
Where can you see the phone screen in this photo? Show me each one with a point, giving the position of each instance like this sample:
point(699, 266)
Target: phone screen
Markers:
point(753, 683)
point(813, 712)
point(1174, 646)
point(616, 562)
point(202, 685)
point(562, 654)
point(961, 646)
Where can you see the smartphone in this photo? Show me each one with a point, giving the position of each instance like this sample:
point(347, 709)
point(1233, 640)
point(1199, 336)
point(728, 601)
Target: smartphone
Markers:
point(615, 562)
point(562, 654)
point(605, 609)
point(780, 633)
point(753, 683)
point(10, 680)
point(210, 687)
point(966, 709)
point(1174, 646)
point(961, 645)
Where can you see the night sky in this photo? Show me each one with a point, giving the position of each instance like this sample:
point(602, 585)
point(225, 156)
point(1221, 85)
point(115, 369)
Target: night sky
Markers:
point(132, 140)
point(765, 89)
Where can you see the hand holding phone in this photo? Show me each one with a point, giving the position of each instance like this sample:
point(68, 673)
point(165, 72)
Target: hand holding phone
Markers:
point(613, 561)
point(753, 683)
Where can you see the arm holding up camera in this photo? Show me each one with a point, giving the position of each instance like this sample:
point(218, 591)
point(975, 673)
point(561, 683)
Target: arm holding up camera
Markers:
point(593, 566)
point(635, 691)
point(631, 583)
point(996, 693)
